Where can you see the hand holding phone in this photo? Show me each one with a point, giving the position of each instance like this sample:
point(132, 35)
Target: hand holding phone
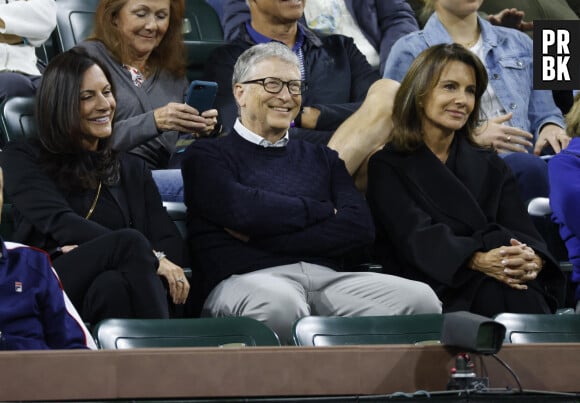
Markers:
point(201, 95)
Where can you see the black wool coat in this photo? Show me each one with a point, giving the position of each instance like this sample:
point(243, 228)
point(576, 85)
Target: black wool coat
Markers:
point(432, 217)
point(46, 216)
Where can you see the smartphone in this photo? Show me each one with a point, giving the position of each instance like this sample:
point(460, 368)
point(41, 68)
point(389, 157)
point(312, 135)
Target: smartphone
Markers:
point(201, 94)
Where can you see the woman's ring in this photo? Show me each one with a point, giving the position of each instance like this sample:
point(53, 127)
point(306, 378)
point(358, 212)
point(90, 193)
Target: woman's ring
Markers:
point(180, 280)
point(509, 138)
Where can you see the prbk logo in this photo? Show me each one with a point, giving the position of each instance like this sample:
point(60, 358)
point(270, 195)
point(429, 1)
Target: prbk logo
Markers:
point(556, 54)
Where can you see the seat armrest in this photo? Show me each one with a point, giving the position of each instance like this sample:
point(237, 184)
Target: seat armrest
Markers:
point(371, 267)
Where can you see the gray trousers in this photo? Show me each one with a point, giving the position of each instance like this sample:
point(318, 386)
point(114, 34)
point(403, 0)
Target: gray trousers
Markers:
point(278, 296)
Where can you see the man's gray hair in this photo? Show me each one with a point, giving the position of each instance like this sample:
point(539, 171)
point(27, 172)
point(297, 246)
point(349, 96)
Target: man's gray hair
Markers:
point(259, 53)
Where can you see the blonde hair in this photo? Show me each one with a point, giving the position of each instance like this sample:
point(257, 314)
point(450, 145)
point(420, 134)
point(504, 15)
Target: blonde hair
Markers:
point(427, 10)
point(573, 118)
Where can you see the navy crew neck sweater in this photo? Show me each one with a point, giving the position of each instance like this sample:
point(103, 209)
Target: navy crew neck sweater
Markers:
point(293, 203)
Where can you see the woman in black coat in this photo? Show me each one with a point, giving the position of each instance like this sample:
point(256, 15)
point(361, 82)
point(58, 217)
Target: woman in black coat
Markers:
point(447, 211)
point(98, 213)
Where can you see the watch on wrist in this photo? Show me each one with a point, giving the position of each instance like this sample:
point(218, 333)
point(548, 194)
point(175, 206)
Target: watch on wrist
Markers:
point(159, 254)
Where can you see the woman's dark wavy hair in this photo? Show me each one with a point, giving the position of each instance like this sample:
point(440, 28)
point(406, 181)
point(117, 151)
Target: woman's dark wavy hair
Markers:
point(421, 78)
point(60, 135)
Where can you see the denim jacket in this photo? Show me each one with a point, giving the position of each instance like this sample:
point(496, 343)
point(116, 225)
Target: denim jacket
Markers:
point(508, 60)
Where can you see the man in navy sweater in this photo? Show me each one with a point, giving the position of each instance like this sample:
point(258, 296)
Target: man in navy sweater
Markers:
point(270, 218)
point(35, 314)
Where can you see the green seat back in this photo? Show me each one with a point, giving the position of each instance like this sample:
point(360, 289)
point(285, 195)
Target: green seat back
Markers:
point(177, 212)
point(400, 329)
point(203, 34)
point(75, 20)
point(190, 332)
point(17, 119)
point(530, 328)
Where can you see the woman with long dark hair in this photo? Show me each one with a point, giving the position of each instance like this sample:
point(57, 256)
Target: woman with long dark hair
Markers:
point(97, 212)
point(518, 121)
point(447, 210)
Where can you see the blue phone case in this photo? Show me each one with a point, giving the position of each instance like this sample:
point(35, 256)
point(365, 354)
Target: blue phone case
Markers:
point(201, 94)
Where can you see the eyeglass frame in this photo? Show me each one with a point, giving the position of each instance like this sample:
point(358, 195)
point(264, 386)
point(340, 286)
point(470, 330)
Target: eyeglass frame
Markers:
point(262, 82)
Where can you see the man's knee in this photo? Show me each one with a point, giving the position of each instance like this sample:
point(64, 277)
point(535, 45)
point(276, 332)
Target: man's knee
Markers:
point(266, 298)
point(382, 89)
point(406, 297)
point(527, 164)
point(257, 295)
point(531, 173)
point(420, 298)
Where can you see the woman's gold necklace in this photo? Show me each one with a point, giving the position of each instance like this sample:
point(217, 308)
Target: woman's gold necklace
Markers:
point(468, 45)
point(95, 200)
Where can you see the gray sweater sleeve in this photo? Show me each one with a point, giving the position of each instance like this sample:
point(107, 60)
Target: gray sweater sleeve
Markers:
point(134, 123)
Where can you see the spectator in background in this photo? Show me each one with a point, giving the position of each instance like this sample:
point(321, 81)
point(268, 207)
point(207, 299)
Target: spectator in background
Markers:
point(24, 24)
point(521, 15)
point(35, 313)
point(98, 212)
point(518, 121)
point(337, 74)
point(270, 217)
point(518, 14)
point(141, 44)
point(447, 210)
point(374, 25)
point(564, 170)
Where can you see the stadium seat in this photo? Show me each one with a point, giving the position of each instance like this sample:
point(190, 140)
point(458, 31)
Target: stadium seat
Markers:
point(541, 214)
point(17, 119)
point(399, 329)
point(532, 328)
point(44, 53)
point(74, 22)
point(177, 211)
point(198, 332)
point(202, 34)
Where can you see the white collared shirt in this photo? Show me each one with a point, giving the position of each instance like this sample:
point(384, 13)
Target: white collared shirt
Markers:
point(332, 17)
point(254, 138)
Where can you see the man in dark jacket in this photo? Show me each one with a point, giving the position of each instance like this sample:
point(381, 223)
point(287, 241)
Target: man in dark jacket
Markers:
point(381, 22)
point(336, 72)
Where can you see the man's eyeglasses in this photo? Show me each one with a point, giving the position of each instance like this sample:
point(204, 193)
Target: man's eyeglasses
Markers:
point(274, 85)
